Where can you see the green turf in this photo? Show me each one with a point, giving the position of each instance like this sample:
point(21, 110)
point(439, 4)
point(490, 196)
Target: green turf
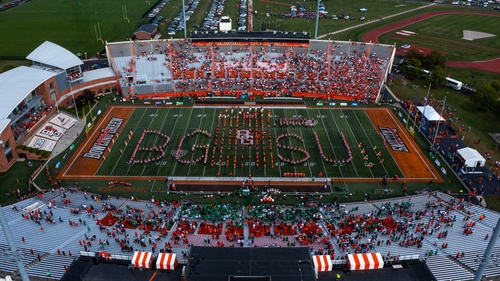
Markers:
point(71, 24)
point(445, 32)
point(16, 178)
point(178, 122)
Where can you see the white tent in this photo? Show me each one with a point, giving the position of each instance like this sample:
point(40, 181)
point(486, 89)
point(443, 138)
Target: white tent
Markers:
point(430, 113)
point(472, 157)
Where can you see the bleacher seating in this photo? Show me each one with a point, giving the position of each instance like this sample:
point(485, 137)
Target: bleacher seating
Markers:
point(341, 69)
point(445, 269)
point(50, 238)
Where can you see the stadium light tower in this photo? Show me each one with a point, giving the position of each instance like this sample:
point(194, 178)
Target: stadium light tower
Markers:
point(317, 20)
point(13, 247)
point(184, 19)
point(439, 123)
point(485, 259)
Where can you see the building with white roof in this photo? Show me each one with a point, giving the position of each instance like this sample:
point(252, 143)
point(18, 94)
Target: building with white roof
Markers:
point(30, 94)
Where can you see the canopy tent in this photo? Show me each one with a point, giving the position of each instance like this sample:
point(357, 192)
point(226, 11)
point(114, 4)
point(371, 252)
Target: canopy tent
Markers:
point(365, 261)
point(166, 261)
point(322, 263)
point(430, 113)
point(472, 157)
point(142, 259)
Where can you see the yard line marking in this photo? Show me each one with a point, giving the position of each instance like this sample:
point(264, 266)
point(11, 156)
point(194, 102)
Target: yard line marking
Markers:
point(192, 156)
point(211, 128)
point(355, 139)
point(173, 130)
point(289, 143)
point(185, 130)
point(331, 144)
point(120, 157)
point(150, 122)
point(276, 149)
point(302, 135)
point(323, 162)
point(162, 125)
point(135, 129)
point(371, 144)
point(333, 117)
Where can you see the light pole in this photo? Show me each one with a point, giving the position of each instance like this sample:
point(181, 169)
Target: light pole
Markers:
point(184, 19)
point(73, 97)
point(439, 122)
point(317, 19)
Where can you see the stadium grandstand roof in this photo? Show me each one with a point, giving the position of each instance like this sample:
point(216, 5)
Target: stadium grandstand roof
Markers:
point(268, 36)
point(54, 55)
point(98, 74)
point(18, 83)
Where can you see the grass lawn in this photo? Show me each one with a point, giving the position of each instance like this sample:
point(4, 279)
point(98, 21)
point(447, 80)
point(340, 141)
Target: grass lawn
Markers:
point(472, 77)
point(376, 9)
point(445, 32)
point(73, 24)
point(16, 178)
point(6, 65)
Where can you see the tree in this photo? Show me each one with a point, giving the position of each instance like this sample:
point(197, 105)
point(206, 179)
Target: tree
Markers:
point(88, 95)
point(496, 85)
point(433, 59)
point(413, 63)
point(485, 96)
point(413, 55)
point(437, 77)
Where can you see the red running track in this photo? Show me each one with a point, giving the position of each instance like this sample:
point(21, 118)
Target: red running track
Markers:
point(492, 65)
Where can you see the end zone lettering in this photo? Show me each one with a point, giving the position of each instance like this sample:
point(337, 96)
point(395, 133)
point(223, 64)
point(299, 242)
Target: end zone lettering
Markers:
point(391, 136)
point(104, 139)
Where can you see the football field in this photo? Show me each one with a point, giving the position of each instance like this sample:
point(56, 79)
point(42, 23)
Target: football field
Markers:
point(196, 142)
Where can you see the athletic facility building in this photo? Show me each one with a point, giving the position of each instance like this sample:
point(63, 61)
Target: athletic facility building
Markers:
point(32, 95)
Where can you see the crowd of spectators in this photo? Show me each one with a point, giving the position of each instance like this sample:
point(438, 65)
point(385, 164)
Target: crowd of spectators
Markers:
point(338, 69)
point(28, 121)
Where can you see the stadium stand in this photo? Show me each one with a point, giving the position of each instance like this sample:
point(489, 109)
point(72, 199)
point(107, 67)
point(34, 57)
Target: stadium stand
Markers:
point(325, 69)
point(433, 227)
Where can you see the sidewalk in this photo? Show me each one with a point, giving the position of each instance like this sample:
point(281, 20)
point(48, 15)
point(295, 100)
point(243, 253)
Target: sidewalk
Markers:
point(68, 138)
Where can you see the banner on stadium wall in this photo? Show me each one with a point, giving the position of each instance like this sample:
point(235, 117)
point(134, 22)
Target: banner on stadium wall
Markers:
point(424, 125)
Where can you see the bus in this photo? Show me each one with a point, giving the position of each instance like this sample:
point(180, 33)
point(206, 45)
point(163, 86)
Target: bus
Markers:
point(454, 84)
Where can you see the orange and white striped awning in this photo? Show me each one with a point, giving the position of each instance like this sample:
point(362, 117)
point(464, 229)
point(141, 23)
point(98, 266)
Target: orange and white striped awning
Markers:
point(322, 263)
point(142, 259)
point(365, 261)
point(166, 261)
